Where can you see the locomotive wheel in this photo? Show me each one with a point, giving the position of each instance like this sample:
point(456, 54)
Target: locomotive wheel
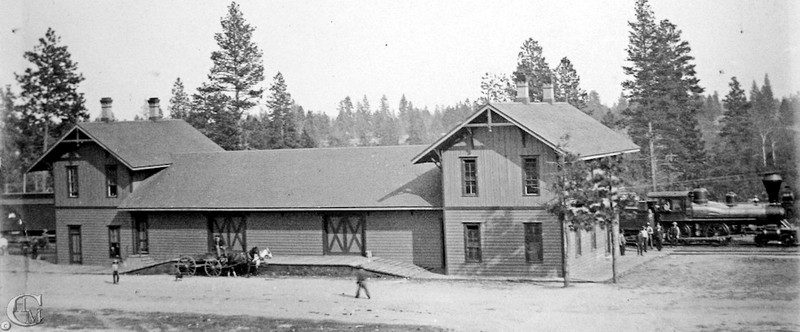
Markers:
point(213, 268)
point(686, 231)
point(716, 229)
point(186, 266)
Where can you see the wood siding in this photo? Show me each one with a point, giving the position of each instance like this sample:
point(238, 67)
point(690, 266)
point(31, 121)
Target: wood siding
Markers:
point(502, 243)
point(412, 237)
point(171, 235)
point(409, 237)
point(286, 233)
point(94, 233)
point(91, 161)
point(498, 157)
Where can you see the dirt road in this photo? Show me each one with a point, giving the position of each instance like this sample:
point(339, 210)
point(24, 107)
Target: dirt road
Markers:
point(675, 293)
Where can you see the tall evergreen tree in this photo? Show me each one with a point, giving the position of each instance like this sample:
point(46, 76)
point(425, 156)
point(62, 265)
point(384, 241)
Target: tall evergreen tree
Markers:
point(567, 85)
point(51, 103)
point(664, 94)
point(12, 142)
point(386, 129)
point(533, 66)
point(179, 103)
point(362, 126)
point(283, 133)
point(764, 117)
point(343, 125)
point(736, 150)
point(233, 80)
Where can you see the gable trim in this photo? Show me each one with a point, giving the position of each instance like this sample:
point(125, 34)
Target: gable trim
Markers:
point(467, 124)
point(63, 140)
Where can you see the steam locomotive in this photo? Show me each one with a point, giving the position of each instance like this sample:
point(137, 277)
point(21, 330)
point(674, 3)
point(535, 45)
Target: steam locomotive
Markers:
point(697, 216)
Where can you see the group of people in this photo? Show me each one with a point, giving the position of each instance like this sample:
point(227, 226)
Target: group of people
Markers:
point(650, 237)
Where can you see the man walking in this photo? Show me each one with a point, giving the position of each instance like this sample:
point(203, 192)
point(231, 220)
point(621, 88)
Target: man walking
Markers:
point(622, 243)
point(361, 281)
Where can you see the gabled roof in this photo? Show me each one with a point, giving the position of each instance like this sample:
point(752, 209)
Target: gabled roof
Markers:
point(136, 144)
point(560, 126)
point(374, 178)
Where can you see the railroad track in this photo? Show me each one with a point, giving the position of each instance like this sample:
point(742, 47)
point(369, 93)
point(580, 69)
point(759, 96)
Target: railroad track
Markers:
point(737, 250)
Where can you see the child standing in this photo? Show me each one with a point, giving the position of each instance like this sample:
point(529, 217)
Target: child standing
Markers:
point(115, 268)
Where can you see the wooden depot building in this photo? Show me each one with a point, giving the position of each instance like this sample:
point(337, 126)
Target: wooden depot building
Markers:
point(472, 203)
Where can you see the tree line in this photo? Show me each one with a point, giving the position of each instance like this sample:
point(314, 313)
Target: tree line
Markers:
point(687, 139)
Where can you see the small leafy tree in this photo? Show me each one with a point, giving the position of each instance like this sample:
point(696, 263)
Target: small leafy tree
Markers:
point(584, 195)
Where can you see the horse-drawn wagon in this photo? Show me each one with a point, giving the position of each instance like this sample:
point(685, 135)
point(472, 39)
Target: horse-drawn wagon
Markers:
point(213, 264)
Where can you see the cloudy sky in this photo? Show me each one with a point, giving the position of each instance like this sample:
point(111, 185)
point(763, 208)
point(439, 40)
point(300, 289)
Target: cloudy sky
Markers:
point(434, 52)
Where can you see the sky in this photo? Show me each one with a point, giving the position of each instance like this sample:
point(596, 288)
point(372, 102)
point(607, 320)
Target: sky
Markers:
point(433, 52)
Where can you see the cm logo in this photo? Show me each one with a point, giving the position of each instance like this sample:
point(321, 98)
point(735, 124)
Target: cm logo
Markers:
point(19, 314)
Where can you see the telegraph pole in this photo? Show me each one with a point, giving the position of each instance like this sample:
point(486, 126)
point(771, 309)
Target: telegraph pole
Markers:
point(652, 156)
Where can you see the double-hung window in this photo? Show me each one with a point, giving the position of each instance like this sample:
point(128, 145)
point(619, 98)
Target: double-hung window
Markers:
point(72, 181)
point(111, 180)
point(469, 177)
point(530, 175)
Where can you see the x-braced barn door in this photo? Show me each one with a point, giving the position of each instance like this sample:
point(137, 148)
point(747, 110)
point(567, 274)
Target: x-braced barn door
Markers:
point(344, 234)
point(232, 228)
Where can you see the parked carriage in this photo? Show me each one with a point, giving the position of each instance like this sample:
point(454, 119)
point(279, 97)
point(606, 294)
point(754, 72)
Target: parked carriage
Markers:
point(213, 264)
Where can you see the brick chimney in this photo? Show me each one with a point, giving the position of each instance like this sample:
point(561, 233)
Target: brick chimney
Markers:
point(547, 93)
point(105, 110)
point(522, 92)
point(154, 109)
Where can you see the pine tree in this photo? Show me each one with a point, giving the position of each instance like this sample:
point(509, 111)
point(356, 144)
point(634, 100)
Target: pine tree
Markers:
point(179, 103)
point(342, 133)
point(51, 101)
point(238, 67)
point(764, 117)
point(386, 130)
point(12, 141)
point(496, 89)
point(736, 135)
point(567, 85)
point(283, 133)
point(362, 126)
point(533, 66)
point(663, 93)
point(233, 79)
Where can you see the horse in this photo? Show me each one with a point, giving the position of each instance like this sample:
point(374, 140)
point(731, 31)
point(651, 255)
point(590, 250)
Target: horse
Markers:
point(250, 259)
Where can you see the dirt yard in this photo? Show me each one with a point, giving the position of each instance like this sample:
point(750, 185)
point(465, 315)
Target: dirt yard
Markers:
point(674, 293)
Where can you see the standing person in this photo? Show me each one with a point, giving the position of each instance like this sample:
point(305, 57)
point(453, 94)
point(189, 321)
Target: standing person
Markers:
point(649, 236)
point(658, 236)
point(219, 244)
point(674, 233)
point(641, 241)
point(115, 269)
point(361, 281)
point(622, 243)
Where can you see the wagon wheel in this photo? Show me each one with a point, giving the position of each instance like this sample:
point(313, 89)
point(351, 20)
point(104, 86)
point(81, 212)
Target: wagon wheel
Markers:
point(716, 229)
point(186, 266)
point(213, 268)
